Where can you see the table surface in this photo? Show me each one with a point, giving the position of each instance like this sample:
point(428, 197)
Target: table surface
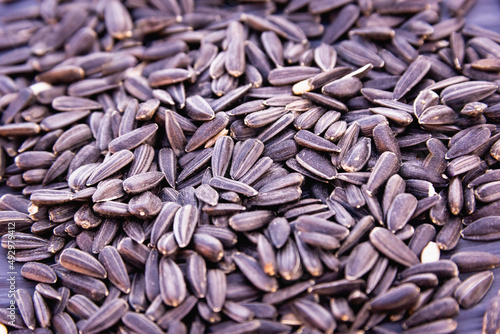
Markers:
point(486, 13)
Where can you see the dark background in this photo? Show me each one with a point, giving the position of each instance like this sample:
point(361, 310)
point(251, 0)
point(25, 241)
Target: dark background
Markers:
point(486, 13)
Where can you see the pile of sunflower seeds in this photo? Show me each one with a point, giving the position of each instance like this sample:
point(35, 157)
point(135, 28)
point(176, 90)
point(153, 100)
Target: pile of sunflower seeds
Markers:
point(196, 166)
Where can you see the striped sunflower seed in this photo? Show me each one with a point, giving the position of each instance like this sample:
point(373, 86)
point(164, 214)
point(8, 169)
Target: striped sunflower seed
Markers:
point(392, 247)
point(473, 289)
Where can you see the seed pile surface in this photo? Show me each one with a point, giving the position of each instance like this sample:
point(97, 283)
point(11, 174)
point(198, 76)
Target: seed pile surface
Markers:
point(263, 167)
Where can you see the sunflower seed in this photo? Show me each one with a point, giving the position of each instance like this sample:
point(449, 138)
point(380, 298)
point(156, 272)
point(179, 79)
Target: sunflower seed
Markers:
point(400, 211)
point(441, 268)
point(216, 289)
point(231, 185)
point(338, 287)
point(38, 272)
point(116, 162)
point(63, 323)
point(314, 315)
point(235, 60)
point(470, 261)
point(473, 289)
point(395, 299)
point(254, 273)
point(361, 260)
point(358, 54)
point(105, 317)
point(490, 319)
point(449, 235)
point(132, 139)
point(83, 263)
point(415, 72)
point(386, 166)
point(460, 94)
point(117, 273)
point(316, 164)
point(392, 247)
point(249, 221)
point(197, 275)
point(207, 130)
point(168, 77)
point(140, 323)
point(172, 284)
point(25, 305)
